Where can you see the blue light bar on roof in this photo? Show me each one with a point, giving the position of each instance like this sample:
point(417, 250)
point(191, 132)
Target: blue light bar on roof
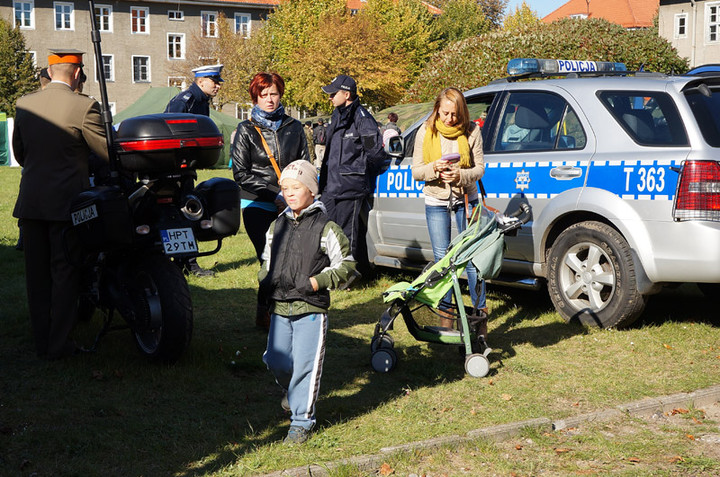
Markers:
point(520, 66)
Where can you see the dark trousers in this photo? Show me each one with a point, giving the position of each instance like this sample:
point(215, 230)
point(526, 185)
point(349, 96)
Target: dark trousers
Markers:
point(352, 216)
point(257, 222)
point(53, 286)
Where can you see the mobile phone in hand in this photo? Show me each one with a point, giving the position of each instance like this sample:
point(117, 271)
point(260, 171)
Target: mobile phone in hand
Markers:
point(451, 158)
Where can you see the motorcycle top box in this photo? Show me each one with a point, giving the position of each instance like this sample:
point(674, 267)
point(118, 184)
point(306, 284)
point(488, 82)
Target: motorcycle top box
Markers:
point(168, 142)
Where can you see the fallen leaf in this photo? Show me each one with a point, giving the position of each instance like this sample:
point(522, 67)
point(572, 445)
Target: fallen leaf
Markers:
point(634, 460)
point(690, 436)
point(491, 382)
point(446, 409)
point(473, 411)
point(667, 346)
point(576, 404)
point(676, 459)
point(385, 469)
point(678, 411)
point(518, 447)
point(696, 420)
point(506, 397)
point(561, 450)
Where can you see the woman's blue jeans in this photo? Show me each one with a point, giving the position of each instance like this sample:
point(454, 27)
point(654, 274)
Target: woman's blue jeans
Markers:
point(438, 220)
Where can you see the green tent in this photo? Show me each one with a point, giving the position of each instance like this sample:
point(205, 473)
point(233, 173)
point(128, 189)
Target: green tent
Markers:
point(155, 100)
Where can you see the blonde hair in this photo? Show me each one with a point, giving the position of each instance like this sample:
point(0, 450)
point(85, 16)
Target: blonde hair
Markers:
point(463, 115)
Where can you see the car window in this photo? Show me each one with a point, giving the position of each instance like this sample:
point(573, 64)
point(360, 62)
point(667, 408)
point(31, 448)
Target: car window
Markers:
point(649, 118)
point(705, 105)
point(538, 121)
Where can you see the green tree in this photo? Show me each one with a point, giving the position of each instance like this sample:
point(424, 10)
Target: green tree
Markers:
point(351, 45)
point(463, 19)
point(492, 10)
point(17, 73)
point(409, 26)
point(522, 18)
point(477, 61)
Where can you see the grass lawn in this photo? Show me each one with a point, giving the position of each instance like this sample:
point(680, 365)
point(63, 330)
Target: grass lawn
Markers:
point(112, 413)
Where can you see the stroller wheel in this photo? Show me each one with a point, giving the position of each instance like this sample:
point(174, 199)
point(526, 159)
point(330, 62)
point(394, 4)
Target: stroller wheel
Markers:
point(477, 365)
point(383, 360)
point(381, 341)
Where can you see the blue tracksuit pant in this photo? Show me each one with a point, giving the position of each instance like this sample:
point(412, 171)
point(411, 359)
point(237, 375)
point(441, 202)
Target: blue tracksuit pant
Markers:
point(295, 354)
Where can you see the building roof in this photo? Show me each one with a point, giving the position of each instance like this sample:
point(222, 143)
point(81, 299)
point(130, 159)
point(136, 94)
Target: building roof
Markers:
point(360, 4)
point(628, 13)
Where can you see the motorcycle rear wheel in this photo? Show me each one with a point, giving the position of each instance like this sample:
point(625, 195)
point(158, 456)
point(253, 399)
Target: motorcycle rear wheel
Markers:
point(162, 306)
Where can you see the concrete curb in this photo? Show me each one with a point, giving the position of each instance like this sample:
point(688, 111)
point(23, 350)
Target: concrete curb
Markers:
point(643, 408)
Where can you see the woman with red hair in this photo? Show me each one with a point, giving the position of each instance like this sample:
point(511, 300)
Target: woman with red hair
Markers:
point(262, 147)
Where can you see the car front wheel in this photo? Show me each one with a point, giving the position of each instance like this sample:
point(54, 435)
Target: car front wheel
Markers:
point(591, 276)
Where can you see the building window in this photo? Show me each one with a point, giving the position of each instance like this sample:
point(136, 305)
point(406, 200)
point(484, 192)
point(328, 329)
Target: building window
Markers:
point(139, 17)
point(208, 23)
point(176, 15)
point(33, 57)
point(242, 25)
point(64, 16)
point(176, 81)
point(112, 108)
point(242, 111)
point(712, 21)
point(103, 17)
point(580, 16)
point(25, 15)
point(681, 25)
point(176, 46)
point(141, 69)
point(108, 68)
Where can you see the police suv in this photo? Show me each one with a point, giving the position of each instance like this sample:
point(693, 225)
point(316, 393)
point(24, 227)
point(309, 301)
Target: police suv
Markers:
point(620, 171)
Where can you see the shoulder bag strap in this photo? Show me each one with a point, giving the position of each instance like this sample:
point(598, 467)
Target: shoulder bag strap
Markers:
point(269, 153)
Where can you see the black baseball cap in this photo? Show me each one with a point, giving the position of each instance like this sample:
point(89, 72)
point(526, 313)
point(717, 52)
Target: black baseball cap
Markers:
point(341, 83)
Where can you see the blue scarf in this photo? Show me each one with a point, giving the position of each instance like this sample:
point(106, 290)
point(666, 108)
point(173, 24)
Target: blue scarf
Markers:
point(271, 120)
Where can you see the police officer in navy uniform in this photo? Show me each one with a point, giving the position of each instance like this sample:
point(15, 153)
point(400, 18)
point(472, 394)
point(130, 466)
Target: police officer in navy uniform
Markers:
point(196, 100)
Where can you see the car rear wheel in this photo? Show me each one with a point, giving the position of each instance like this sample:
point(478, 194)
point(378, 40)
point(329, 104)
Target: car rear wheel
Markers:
point(591, 276)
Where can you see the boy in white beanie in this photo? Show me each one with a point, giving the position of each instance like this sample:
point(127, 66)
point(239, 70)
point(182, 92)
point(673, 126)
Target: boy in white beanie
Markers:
point(305, 255)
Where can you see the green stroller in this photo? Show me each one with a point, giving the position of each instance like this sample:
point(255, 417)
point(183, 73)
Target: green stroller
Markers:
point(483, 243)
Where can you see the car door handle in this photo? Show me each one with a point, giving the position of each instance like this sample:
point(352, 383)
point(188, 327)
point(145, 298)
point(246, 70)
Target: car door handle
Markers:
point(565, 173)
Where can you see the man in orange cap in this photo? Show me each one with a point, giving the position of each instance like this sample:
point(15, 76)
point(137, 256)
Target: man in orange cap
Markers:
point(55, 131)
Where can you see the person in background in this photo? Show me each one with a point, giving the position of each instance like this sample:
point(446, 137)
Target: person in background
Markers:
point(55, 132)
point(263, 146)
point(196, 100)
point(392, 123)
point(309, 138)
point(319, 139)
point(305, 255)
point(354, 156)
point(449, 186)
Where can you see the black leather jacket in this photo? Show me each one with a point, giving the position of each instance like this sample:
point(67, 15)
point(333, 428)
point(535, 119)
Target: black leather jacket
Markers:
point(252, 169)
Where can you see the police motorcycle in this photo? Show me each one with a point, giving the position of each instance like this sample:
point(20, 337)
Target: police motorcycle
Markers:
point(145, 216)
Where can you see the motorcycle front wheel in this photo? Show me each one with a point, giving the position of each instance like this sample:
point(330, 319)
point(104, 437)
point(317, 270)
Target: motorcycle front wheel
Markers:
point(160, 299)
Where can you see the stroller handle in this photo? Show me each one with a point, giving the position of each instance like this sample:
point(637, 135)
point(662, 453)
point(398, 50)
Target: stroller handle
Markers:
point(522, 216)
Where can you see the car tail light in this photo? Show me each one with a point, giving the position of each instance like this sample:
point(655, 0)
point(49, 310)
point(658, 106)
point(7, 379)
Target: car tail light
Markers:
point(698, 192)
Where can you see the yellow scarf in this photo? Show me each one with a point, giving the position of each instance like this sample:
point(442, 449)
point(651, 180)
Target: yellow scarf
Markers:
point(431, 144)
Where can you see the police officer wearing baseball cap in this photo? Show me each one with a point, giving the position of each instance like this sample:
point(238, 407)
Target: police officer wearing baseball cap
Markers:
point(196, 99)
point(353, 158)
point(55, 132)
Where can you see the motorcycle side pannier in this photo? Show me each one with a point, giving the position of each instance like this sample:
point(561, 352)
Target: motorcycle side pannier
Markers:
point(221, 199)
point(101, 218)
point(168, 142)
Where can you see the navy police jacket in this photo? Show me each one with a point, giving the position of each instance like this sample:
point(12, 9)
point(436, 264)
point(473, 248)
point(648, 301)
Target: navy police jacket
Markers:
point(354, 155)
point(192, 100)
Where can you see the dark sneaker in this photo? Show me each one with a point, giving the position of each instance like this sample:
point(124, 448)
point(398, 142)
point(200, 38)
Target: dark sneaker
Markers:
point(191, 266)
point(284, 403)
point(297, 435)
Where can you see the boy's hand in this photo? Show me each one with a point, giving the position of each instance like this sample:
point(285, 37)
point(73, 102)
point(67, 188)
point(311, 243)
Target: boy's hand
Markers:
point(314, 284)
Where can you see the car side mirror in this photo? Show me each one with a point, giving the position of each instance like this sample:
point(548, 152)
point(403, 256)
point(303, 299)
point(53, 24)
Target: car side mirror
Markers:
point(395, 146)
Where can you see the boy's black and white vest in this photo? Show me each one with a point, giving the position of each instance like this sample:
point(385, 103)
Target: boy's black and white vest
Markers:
point(296, 256)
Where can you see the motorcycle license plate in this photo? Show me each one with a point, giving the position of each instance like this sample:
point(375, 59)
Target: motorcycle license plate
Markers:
point(177, 241)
